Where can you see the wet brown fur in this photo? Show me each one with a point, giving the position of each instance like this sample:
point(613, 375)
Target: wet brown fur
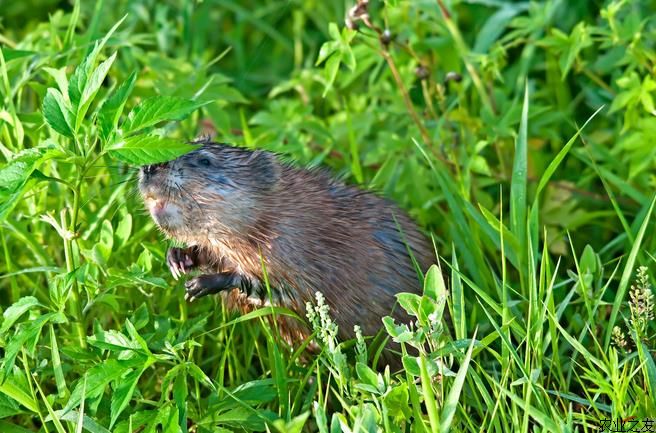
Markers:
point(312, 232)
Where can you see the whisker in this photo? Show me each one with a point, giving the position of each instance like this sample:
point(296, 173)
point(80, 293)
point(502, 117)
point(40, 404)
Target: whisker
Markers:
point(190, 196)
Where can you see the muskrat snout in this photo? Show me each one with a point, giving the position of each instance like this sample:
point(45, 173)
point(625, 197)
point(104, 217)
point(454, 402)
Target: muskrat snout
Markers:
point(153, 168)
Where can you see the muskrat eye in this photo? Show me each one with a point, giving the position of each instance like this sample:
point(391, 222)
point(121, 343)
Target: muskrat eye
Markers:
point(204, 161)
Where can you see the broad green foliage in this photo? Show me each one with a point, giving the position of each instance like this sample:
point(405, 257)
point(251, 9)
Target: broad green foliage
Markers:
point(519, 134)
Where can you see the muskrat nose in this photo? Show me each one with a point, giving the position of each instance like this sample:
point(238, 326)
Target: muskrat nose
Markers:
point(152, 168)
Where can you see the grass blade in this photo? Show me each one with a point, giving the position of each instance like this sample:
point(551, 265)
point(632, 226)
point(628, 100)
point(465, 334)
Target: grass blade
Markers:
point(451, 402)
point(626, 275)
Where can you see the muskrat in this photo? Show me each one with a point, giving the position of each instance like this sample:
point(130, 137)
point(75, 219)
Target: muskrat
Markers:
point(246, 215)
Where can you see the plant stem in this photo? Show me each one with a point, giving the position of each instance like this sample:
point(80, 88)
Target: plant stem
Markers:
point(15, 292)
point(464, 52)
point(406, 97)
point(429, 396)
point(74, 300)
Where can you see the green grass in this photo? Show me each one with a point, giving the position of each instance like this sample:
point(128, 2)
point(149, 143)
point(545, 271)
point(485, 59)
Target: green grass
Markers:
point(519, 135)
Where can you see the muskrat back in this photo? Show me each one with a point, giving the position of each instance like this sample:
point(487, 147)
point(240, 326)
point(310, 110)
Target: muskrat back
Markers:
point(242, 213)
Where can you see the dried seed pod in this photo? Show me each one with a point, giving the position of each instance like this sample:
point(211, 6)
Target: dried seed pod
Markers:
point(386, 37)
point(422, 72)
point(453, 76)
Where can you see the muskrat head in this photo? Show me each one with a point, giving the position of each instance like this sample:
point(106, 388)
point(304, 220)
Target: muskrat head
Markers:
point(209, 193)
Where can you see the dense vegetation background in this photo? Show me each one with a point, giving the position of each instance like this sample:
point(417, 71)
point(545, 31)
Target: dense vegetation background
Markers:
point(469, 113)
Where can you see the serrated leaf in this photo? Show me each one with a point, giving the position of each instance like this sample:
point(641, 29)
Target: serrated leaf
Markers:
point(112, 108)
point(78, 80)
point(15, 177)
point(136, 337)
point(60, 78)
point(148, 149)
point(57, 112)
point(158, 109)
point(112, 340)
point(82, 73)
point(98, 378)
point(17, 309)
point(21, 338)
point(91, 88)
point(15, 173)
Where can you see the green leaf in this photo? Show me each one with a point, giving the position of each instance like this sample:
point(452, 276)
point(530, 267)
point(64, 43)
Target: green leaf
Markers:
point(626, 274)
point(495, 25)
point(57, 112)
point(180, 395)
point(411, 366)
point(434, 286)
point(17, 309)
point(158, 109)
point(137, 337)
point(555, 162)
point(123, 230)
point(295, 425)
point(332, 67)
point(451, 402)
point(18, 170)
point(9, 407)
point(89, 424)
point(201, 377)
point(6, 427)
point(12, 388)
point(647, 360)
point(82, 74)
point(98, 378)
point(410, 302)
point(91, 88)
point(123, 393)
point(518, 181)
point(320, 417)
point(148, 149)
point(11, 54)
point(366, 374)
point(60, 380)
point(112, 340)
point(112, 108)
point(399, 333)
point(29, 332)
point(326, 50)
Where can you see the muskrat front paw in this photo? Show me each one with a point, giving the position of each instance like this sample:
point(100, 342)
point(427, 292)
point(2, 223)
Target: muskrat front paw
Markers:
point(202, 285)
point(180, 261)
point(208, 284)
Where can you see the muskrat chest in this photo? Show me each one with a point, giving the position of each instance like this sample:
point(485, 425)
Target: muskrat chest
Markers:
point(262, 232)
